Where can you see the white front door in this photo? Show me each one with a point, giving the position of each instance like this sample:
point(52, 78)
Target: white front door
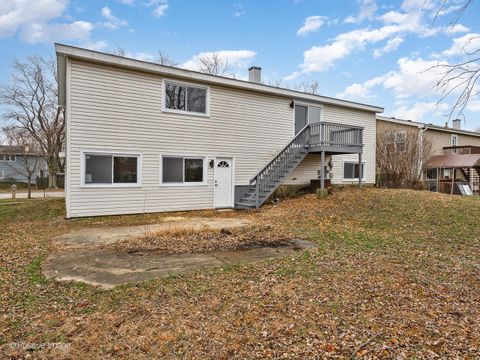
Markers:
point(223, 182)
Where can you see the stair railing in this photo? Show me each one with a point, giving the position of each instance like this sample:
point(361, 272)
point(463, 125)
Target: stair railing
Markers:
point(278, 166)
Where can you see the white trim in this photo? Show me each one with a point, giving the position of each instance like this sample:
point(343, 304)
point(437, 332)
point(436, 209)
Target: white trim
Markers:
point(68, 151)
point(364, 176)
point(183, 184)
point(233, 180)
point(456, 137)
point(138, 65)
point(186, 112)
point(139, 157)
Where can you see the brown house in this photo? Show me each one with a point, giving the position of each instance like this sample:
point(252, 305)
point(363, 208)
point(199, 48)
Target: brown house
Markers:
point(454, 166)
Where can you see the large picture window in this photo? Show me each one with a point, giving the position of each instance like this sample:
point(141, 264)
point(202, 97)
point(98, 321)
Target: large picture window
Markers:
point(351, 170)
point(111, 169)
point(183, 170)
point(185, 98)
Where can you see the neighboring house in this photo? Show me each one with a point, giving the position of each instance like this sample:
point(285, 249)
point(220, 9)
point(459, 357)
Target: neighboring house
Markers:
point(142, 137)
point(455, 153)
point(13, 161)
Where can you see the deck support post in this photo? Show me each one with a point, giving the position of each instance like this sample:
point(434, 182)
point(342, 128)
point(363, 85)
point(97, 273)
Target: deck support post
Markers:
point(360, 170)
point(322, 171)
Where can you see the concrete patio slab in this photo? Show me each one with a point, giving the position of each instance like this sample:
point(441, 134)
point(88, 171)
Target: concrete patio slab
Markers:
point(108, 268)
point(104, 236)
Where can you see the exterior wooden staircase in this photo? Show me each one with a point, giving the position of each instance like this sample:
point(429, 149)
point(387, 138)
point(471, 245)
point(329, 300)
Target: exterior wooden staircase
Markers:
point(317, 137)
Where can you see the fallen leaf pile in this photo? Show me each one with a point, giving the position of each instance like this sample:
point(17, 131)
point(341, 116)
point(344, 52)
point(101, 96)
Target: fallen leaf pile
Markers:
point(395, 276)
point(208, 240)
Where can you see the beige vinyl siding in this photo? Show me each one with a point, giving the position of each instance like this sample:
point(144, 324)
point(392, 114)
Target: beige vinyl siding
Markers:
point(440, 139)
point(305, 171)
point(358, 118)
point(114, 110)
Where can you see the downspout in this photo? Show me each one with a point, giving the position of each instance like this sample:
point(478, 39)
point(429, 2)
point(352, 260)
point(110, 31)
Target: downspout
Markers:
point(420, 159)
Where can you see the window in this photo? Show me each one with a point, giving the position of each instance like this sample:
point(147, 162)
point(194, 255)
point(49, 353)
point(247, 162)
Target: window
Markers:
point(183, 170)
point(454, 140)
point(351, 170)
point(431, 174)
point(185, 98)
point(8, 158)
point(401, 141)
point(111, 169)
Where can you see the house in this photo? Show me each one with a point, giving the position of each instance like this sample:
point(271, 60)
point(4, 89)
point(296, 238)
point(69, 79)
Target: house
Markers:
point(455, 153)
point(142, 137)
point(14, 162)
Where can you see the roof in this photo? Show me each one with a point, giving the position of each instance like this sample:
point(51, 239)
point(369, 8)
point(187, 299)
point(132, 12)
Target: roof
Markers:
point(454, 161)
point(72, 52)
point(421, 125)
point(16, 150)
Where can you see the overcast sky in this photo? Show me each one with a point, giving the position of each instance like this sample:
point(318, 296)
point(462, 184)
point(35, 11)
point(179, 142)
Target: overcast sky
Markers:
point(370, 51)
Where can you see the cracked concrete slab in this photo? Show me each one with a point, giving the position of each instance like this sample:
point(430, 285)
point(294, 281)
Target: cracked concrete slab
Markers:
point(108, 235)
point(108, 268)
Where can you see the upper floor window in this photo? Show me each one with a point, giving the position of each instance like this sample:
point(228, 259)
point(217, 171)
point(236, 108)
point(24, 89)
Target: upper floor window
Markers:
point(8, 158)
point(185, 98)
point(401, 141)
point(454, 140)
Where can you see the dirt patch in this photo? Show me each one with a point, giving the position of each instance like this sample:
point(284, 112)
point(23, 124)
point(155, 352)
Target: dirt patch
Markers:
point(181, 241)
point(103, 236)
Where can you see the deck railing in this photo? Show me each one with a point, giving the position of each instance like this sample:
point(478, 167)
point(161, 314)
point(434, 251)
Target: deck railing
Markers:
point(332, 135)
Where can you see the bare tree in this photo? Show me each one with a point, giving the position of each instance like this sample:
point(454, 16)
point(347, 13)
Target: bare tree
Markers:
point(27, 160)
point(400, 158)
point(31, 99)
point(213, 64)
point(460, 79)
point(165, 59)
point(120, 52)
point(309, 87)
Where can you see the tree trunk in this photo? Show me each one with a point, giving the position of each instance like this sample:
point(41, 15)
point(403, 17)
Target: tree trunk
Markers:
point(52, 172)
point(29, 196)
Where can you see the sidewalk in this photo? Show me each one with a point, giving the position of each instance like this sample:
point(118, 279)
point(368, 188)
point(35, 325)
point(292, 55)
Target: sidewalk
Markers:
point(35, 194)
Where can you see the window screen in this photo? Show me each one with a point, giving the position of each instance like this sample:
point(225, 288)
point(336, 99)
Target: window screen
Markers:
point(98, 169)
point(351, 170)
point(172, 170)
point(196, 100)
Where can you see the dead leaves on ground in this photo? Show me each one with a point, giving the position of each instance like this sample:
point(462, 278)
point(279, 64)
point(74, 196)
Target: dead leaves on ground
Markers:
point(396, 276)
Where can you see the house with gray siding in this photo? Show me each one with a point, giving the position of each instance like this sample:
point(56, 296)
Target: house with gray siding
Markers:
point(14, 162)
point(143, 137)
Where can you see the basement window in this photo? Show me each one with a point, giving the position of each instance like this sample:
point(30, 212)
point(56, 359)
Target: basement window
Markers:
point(184, 98)
point(111, 169)
point(179, 170)
point(351, 170)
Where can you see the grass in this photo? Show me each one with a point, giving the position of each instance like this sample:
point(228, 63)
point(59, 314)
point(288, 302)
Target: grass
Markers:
point(395, 276)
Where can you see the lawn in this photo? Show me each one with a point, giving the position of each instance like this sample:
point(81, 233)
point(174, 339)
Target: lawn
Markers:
point(396, 275)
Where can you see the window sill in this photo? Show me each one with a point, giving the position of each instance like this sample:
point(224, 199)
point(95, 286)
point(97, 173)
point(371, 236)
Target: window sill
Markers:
point(93, 186)
point(185, 113)
point(356, 179)
point(183, 184)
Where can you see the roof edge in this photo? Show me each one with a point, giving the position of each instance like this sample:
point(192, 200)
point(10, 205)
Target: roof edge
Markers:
point(427, 126)
point(139, 65)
